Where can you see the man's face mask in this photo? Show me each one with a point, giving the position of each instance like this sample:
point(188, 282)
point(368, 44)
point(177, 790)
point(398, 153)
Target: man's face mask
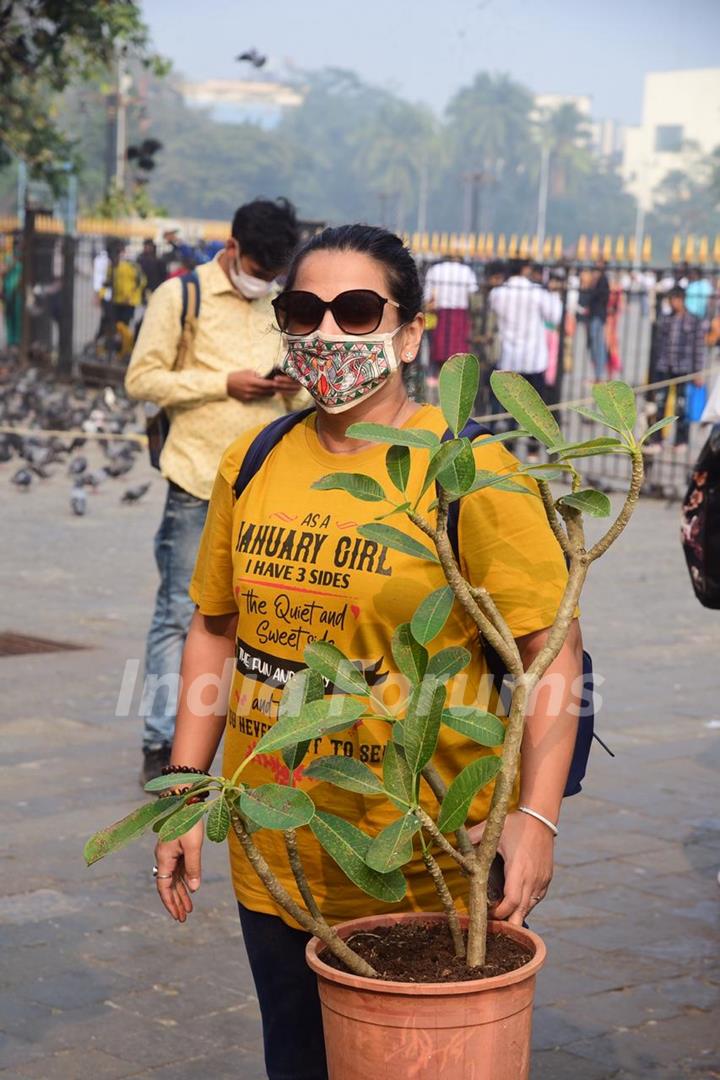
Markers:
point(339, 370)
point(252, 288)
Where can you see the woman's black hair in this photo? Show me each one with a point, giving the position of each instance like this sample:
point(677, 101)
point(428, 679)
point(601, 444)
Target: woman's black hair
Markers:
point(383, 246)
point(267, 231)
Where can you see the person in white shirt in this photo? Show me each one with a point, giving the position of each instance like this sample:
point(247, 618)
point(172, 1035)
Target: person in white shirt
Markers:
point(524, 311)
point(447, 291)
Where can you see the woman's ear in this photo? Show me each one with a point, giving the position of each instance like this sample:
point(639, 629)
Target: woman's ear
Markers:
point(411, 338)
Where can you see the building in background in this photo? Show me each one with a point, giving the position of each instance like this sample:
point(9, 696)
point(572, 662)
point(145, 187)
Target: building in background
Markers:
point(237, 101)
point(680, 121)
point(605, 136)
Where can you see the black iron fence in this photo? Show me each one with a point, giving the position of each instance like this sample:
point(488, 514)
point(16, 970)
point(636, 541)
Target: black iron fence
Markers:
point(563, 324)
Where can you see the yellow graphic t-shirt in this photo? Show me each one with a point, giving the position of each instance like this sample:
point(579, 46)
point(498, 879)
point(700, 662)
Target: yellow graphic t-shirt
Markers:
point(289, 559)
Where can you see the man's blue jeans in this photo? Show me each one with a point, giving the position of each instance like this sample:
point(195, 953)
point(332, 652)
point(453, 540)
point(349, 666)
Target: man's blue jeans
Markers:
point(176, 545)
point(598, 348)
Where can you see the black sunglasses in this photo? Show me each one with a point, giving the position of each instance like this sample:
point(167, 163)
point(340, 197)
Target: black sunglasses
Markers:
point(357, 311)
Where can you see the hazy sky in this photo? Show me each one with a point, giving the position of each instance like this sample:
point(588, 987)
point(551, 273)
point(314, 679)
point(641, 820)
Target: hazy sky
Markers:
point(427, 49)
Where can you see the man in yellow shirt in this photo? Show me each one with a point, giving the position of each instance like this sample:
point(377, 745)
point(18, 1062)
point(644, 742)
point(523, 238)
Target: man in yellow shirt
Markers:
point(220, 390)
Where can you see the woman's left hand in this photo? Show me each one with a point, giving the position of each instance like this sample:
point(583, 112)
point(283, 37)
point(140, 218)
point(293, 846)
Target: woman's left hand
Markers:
point(526, 846)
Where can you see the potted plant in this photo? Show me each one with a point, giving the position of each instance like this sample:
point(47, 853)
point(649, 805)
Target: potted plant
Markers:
point(461, 1025)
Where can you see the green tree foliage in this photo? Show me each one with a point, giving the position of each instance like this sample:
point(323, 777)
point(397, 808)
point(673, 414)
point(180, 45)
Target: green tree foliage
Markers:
point(44, 46)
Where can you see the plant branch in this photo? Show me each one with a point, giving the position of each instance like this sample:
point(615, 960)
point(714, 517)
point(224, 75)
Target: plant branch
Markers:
point(447, 902)
point(429, 825)
point(300, 876)
point(552, 516)
point(280, 895)
point(439, 789)
point(625, 514)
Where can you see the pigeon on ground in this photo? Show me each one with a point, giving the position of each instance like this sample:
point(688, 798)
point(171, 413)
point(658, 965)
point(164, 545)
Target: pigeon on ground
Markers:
point(77, 466)
point(78, 501)
point(133, 494)
point(22, 478)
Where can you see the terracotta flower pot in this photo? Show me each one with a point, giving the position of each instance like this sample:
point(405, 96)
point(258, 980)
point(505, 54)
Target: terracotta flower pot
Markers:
point(478, 1030)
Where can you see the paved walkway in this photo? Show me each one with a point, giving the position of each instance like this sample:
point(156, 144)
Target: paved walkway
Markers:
point(97, 982)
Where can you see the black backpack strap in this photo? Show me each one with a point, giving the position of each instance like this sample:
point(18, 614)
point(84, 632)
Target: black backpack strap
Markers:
point(262, 445)
point(185, 281)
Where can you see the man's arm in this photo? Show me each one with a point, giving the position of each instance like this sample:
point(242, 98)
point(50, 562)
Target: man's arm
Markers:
point(150, 375)
point(551, 307)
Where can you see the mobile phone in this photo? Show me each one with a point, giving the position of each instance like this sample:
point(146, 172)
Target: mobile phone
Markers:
point(273, 372)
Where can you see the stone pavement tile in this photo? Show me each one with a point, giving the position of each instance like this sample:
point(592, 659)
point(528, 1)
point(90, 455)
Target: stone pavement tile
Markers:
point(602, 843)
point(237, 1064)
point(16, 1014)
point(74, 989)
point(553, 1027)
point(675, 858)
point(558, 1064)
point(81, 1064)
point(680, 1042)
point(15, 1052)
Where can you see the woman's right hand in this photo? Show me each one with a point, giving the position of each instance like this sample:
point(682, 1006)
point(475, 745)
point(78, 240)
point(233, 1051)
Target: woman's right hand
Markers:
point(178, 864)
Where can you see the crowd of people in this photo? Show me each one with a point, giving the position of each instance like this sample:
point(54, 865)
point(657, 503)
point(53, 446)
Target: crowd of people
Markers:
point(543, 321)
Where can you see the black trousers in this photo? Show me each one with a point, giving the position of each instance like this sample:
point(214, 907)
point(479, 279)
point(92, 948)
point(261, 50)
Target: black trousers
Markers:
point(288, 997)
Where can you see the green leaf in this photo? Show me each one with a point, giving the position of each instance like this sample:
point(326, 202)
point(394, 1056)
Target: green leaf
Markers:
point(397, 540)
point(459, 476)
point(128, 828)
point(276, 806)
point(432, 614)
point(596, 418)
point(592, 451)
point(524, 403)
point(448, 662)
point(302, 687)
point(458, 386)
point(318, 718)
point(464, 788)
point(421, 726)
point(357, 484)
point(658, 426)
point(441, 459)
point(333, 665)
point(182, 821)
point(486, 479)
point(161, 783)
point(347, 846)
point(616, 404)
point(383, 433)
point(567, 449)
point(393, 846)
point(502, 436)
point(482, 727)
point(346, 773)
point(545, 472)
point(592, 502)
point(397, 775)
point(397, 463)
point(217, 825)
point(410, 656)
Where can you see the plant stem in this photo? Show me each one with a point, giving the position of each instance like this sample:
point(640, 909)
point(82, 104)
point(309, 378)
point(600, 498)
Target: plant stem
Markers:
point(625, 514)
point(430, 826)
point(494, 823)
point(280, 895)
point(439, 789)
point(552, 516)
point(300, 876)
point(447, 902)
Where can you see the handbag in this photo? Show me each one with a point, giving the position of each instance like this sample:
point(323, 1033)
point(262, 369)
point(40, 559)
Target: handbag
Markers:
point(700, 531)
point(157, 426)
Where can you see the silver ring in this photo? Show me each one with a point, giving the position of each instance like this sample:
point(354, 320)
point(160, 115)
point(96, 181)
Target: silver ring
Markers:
point(160, 876)
point(536, 899)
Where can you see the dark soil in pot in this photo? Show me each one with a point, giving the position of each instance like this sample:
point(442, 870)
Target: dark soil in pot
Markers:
point(423, 952)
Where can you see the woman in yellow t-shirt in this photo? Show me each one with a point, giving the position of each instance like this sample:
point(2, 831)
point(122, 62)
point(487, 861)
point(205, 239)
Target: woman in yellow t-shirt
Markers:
point(283, 565)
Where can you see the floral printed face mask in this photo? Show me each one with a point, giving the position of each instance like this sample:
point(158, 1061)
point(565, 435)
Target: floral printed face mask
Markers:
point(340, 369)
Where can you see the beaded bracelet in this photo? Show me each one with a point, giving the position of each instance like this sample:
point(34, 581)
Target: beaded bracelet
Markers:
point(170, 770)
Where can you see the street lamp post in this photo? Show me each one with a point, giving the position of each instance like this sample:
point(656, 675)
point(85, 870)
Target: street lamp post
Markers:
point(543, 186)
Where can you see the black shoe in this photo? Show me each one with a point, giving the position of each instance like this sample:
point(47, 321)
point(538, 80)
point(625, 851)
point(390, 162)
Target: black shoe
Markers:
point(154, 761)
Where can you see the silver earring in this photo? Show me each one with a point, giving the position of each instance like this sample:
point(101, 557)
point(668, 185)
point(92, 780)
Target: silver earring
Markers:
point(408, 356)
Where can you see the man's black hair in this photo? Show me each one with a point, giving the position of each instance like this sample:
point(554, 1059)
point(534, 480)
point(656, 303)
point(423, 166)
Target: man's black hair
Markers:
point(267, 232)
point(516, 266)
point(677, 291)
point(492, 269)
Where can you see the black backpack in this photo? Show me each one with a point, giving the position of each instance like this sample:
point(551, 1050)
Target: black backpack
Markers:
point(700, 531)
point(263, 444)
